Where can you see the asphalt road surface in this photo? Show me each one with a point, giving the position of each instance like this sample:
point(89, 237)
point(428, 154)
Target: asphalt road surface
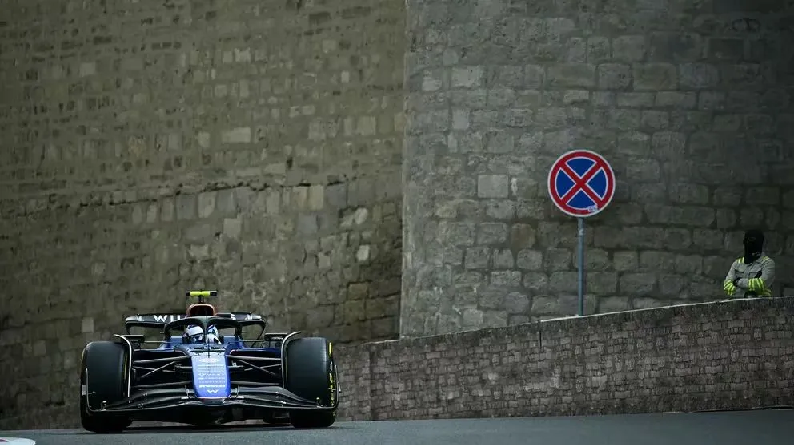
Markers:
point(763, 427)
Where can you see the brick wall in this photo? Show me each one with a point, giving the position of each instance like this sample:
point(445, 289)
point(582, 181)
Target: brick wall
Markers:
point(691, 103)
point(720, 355)
point(149, 148)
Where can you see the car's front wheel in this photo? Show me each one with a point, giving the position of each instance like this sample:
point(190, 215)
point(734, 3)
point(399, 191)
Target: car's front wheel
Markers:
point(310, 373)
point(103, 378)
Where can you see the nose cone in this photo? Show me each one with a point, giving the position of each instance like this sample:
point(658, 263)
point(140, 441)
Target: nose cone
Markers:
point(211, 375)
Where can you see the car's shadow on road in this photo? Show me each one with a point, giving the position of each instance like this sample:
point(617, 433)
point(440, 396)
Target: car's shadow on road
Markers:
point(219, 429)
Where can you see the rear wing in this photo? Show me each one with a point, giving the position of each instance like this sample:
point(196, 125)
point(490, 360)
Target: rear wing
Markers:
point(160, 320)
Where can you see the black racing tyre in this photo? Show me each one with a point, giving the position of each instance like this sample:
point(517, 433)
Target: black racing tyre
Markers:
point(310, 373)
point(103, 374)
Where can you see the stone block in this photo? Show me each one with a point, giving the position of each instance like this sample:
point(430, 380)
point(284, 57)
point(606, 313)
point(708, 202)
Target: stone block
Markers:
point(530, 260)
point(363, 253)
point(637, 284)
point(206, 204)
point(629, 48)
point(358, 291)
point(492, 233)
point(601, 283)
point(551, 118)
point(613, 76)
point(625, 261)
point(493, 186)
point(623, 119)
point(508, 278)
point(758, 196)
point(669, 144)
point(458, 234)
point(561, 282)
point(239, 135)
point(654, 77)
point(461, 119)
point(533, 76)
point(682, 46)
point(598, 50)
point(535, 281)
point(307, 224)
point(433, 80)
point(499, 209)
point(233, 227)
point(711, 100)
point(564, 305)
point(655, 120)
point(225, 202)
point(516, 118)
point(613, 304)
point(321, 316)
point(676, 99)
point(517, 303)
point(634, 143)
point(698, 76)
point(471, 318)
point(707, 239)
point(200, 232)
point(167, 209)
point(752, 217)
point(726, 48)
point(571, 76)
point(477, 258)
point(688, 193)
point(504, 259)
point(635, 100)
point(353, 311)
point(87, 69)
point(316, 197)
point(558, 259)
point(467, 77)
point(186, 207)
point(643, 170)
point(87, 325)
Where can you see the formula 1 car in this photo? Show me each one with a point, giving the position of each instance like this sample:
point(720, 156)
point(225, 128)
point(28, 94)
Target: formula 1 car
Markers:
point(214, 380)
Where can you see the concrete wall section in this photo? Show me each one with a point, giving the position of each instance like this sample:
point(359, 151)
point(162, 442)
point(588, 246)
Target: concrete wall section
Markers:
point(722, 355)
point(154, 147)
point(691, 102)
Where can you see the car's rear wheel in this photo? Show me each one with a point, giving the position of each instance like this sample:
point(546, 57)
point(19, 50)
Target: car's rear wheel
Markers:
point(103, 378)
point(310, 373)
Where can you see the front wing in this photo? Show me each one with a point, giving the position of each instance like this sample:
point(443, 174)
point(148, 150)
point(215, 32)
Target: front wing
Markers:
point(266, 398)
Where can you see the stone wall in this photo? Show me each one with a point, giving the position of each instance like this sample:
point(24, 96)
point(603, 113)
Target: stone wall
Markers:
point(256, 148)
point(149, 148)
point(721, 355)
point(691, 103)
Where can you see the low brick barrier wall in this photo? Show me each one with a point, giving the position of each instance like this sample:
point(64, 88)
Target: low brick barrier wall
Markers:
point(723, 355)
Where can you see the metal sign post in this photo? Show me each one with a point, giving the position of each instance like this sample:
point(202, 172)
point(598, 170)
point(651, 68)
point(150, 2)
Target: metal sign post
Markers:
point(581, 265)
point(581, 183)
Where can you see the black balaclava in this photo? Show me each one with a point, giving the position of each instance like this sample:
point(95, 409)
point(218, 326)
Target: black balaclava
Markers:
point(753, 242)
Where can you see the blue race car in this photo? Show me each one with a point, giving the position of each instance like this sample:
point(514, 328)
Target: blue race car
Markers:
point(209, 378)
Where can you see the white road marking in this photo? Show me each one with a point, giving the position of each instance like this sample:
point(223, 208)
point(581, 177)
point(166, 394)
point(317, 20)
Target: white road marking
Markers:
point(16, 441)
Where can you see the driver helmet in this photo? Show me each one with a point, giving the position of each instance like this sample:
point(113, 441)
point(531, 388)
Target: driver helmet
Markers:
point(195, 334)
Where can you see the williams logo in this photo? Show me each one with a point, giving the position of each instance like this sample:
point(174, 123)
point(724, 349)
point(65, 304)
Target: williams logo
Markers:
point(167, 318)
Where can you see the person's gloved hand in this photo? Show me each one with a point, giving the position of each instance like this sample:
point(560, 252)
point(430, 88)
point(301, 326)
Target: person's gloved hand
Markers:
point(729, 288)
point(756, 285)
